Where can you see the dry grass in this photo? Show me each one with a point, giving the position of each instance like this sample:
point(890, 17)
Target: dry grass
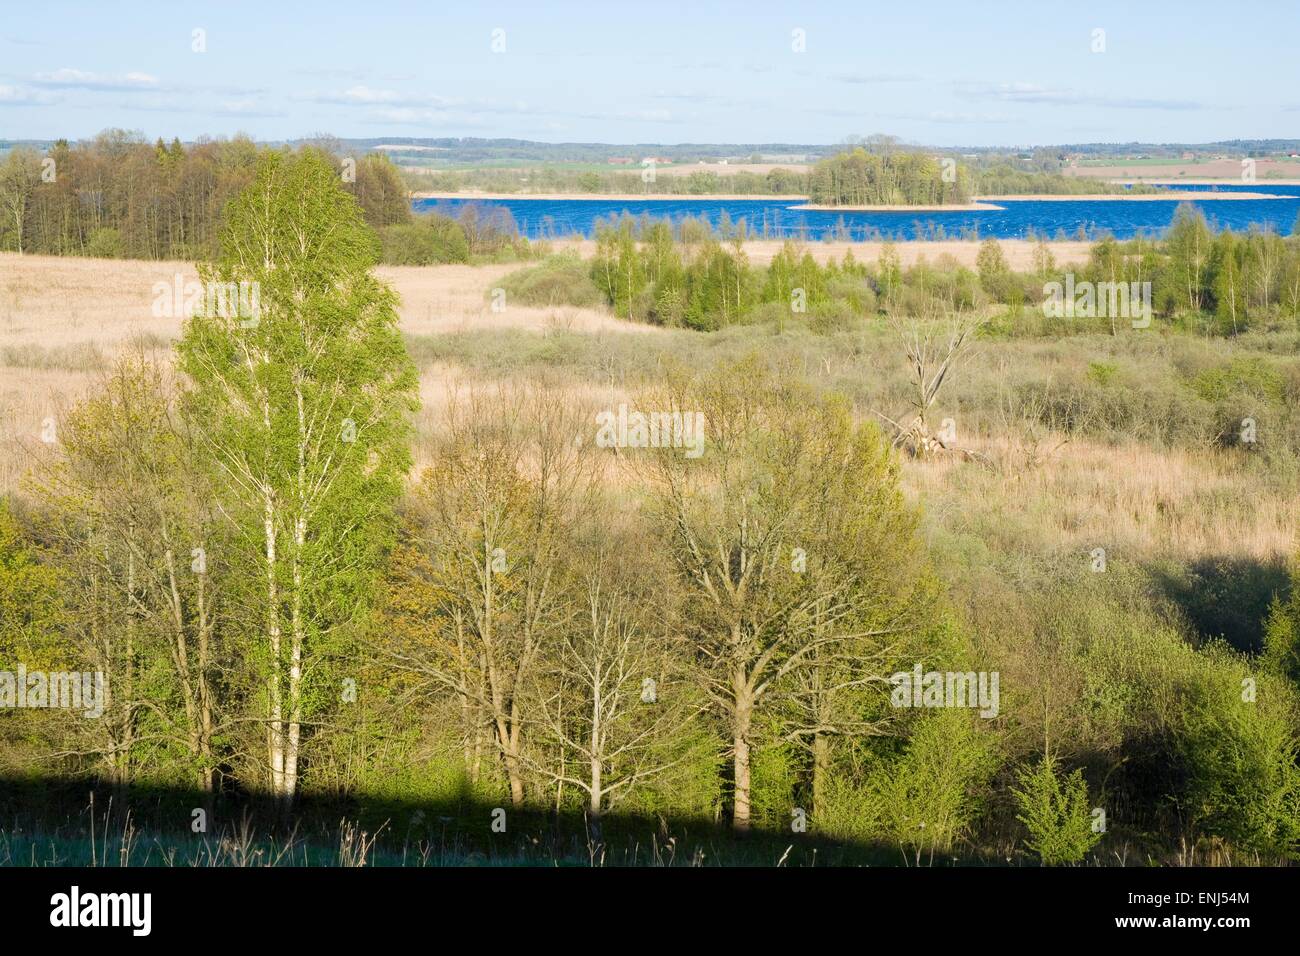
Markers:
point(438, 299)
point(1220, 169)
point(61, 319)
point(1019, 253)
point(1136, 502)
point(28, 397)
point(55, 302)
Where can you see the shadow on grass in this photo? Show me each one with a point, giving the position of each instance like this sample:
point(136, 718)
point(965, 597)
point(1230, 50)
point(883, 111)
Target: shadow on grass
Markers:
point(80, 822)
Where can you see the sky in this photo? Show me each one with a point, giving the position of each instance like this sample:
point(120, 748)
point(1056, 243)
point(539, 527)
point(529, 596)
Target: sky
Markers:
point(621, 71)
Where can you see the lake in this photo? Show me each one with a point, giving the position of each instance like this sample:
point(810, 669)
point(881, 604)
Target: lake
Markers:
point(553, 218)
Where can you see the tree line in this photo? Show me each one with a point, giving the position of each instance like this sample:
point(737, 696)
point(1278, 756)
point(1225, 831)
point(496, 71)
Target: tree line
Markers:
point(119, 196)
point(698, 276)
point(860, 178)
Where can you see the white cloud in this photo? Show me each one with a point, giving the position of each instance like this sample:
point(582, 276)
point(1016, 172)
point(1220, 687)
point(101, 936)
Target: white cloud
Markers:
point(246, 107)
point(875, 77)
point(69, 78)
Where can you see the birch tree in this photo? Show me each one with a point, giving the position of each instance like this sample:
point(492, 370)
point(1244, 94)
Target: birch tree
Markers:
point(19, 175)
point(305, 400)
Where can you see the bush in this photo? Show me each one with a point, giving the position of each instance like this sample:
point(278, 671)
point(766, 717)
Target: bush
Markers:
point(1252, 377)
point(1238, 748)
point(928, 798)
point(1282, 636)
point(104, 244)
point(1247, 387)
point(831, 317)
point(1055, 811)
point(562, 279)
point(431, 240)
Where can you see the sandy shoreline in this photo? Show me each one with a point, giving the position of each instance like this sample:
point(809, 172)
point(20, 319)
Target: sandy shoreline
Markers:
point(979, 203)
point(975, 206)
point(1143, 197)
point(1226, 181)
point(608, 197)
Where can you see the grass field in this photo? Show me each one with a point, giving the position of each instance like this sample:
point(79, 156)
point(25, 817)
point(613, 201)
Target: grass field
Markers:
point(62, 320)
point(1228, 170)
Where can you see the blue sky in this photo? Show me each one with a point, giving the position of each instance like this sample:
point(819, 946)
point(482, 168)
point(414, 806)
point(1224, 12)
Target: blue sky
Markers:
point(938, 73)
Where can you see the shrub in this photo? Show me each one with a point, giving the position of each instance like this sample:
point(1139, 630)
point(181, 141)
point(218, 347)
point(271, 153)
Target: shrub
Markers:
point(431, 240)
point(1243, 376)
point(1282, 636)
point(104, 244)
point(1238, 751)
point(928, 798)
point(831, 317)
point(1054, 808)
point(1103, 373)
point(562, 279)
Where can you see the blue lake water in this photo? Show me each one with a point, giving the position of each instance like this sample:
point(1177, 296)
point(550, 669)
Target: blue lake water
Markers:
point(1054, 219)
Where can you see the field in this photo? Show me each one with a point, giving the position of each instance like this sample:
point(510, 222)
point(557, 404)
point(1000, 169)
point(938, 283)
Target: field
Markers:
point(1266, 170)
point(63, 321)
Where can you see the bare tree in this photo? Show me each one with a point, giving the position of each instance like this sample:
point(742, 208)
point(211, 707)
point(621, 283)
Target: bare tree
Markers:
point(610, 693)
point(136, 518)
point(497, 505)
point(933, 343)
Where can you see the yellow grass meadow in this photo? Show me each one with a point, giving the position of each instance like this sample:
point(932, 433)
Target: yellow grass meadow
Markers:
point(62, 320)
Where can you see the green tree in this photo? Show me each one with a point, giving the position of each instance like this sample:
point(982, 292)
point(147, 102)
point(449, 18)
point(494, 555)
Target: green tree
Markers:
point(306, 404)
point(992, 267)
point(1229, 289)
point(30, 604)
point(1054, 808)
point(859, 178)
point(1188, 245)
point(32, 615)
point(766, 529)
point(384, 198)
point(19, 176)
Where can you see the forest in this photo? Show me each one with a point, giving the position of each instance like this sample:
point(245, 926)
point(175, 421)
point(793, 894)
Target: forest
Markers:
point(118, 196)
